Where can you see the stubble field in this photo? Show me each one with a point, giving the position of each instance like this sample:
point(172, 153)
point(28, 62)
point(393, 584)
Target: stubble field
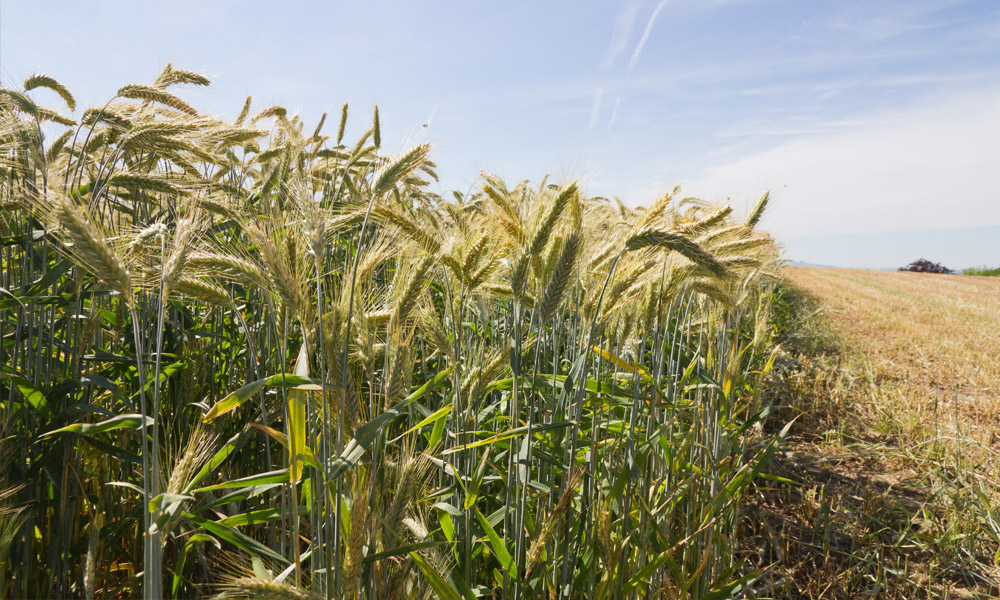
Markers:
point(893, 378)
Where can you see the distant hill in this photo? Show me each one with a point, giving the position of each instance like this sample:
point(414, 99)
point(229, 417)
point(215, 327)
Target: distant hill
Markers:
point(798, 263)
point(956, 248)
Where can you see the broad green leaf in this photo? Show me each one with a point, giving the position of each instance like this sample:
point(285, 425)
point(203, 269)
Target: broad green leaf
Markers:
point(103, 382)
point(228, 448)
point(367, 433)
point(273, 433)
point(235, 399)
point(436, 433)
point(279, 476)
point(544, 382)
point(265, 515)
point(236, 538)
point(309, 457)
point(730, 590)
point(399, 551)
point(448, 508)
point(297, 418)
point(643, 574)
point(448, 529)
point(510, 433)
point(164, 500)
point(46, 281)
point(178, 569)
point(127, 485)
point(17, 300)
point(623, 364)
point(472, 490)
point(497, 545)
point(437, 415)
point(441, 587)
point(286, 380)
point(119, 422)
point(243, 494)
point(34, 397)
point(165, 507)
point(167, 371)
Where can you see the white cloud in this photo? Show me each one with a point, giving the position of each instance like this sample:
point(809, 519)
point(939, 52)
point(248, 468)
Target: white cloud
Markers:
point(931, 165)
point(645, 34)
point(620, 35)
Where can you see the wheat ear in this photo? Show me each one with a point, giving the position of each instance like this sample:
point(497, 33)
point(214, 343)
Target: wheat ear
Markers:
point(88, 247)
point(679, 243)
point(562, 507)
point(149, 94)
point(559, 279)
point(256, 588)
point(758, 210)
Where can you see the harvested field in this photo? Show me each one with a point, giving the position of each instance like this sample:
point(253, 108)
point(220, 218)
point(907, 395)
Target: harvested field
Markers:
point(930, 339)
point(895, 380)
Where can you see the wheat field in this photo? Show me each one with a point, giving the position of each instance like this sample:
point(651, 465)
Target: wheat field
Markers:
point(254, 359)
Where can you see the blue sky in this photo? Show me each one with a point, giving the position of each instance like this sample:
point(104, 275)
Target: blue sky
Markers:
point(862, 117)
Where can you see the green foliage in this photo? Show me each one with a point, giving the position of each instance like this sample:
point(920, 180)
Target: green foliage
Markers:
point(982, 271)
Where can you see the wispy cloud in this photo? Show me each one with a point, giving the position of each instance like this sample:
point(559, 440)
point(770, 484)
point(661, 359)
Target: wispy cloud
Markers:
point(871, 22)
point(645, 34)
point(621, 33)
point(614, 111)
point(595, 111)
point(925, 166)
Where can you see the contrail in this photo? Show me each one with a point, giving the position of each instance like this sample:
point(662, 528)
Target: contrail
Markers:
point(645, 34)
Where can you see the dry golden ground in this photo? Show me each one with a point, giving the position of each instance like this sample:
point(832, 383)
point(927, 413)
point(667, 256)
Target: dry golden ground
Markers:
point(895, 378)
point(930, 342)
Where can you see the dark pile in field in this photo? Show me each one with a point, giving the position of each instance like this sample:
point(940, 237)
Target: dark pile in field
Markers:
point(922, 265)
